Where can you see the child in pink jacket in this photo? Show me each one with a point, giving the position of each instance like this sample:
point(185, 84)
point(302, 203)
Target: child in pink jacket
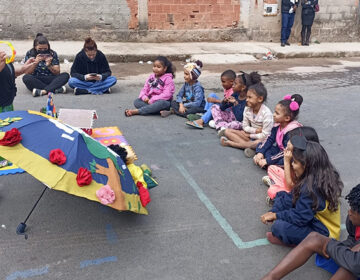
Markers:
point(158, 90)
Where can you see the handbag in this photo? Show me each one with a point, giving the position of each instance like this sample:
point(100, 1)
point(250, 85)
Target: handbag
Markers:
point(317, 8)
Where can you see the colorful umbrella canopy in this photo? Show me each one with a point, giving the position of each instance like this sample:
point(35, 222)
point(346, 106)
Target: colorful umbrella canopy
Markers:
point(67, 159)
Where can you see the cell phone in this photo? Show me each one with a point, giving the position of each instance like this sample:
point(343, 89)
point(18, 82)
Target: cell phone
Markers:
point(45, 55)
point(93, 74)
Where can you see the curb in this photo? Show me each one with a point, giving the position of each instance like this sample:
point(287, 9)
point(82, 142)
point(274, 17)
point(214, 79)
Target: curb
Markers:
point(123, 58)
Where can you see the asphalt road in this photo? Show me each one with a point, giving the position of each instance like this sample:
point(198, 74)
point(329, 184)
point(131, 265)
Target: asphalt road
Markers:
point(204, 220)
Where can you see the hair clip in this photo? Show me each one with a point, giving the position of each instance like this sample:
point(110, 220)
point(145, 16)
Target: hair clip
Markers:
point(294, 106)
point(299, 142)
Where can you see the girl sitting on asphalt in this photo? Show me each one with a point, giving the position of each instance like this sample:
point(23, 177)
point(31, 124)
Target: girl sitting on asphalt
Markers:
point(313, 204)
point(283, 179)
point(231, 110)
point(271, 151)
point(158, 90)
point(191, 98)
point(257, 122)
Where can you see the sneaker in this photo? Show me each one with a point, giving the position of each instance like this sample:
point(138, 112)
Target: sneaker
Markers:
point(267, 181)
point(199, 114)
point(36, 92)
point(79, 91)
point(249, 153)
point(4, 163)
point(221, 131)
point(60, 90)
point(108, 91)
point(269, 201)
point(282, 44)
point(165, 114)
point(287, 43)
point(212, 124)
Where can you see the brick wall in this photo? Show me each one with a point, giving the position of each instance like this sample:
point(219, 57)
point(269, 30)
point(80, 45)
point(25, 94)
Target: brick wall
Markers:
point(133, 22)
point(193, 14)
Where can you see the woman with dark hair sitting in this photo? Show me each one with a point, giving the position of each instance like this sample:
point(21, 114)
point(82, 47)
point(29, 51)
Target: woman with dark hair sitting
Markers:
point(45, 73)
point(90, 72)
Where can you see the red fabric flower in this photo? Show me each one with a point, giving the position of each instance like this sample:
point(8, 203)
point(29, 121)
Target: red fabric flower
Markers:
point(57, 156)
point(83, 177)
point(11, 137)
point(144, 194)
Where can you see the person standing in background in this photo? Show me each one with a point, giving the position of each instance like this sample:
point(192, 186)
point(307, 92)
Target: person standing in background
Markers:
point(307, 19)
point(288, 9)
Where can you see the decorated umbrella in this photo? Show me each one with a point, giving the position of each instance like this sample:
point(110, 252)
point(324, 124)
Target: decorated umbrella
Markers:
point(65, 158)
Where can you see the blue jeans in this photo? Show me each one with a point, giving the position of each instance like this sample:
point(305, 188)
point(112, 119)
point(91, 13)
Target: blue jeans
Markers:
point(208, 116)
point(287, 21)
point(98, 87)
point(154, 108)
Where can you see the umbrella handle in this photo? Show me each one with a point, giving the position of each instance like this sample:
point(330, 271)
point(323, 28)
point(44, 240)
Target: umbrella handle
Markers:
point(22, 226)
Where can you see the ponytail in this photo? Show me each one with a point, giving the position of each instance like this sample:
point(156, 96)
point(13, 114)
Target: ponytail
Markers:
point(292, 104)
point(170, 68)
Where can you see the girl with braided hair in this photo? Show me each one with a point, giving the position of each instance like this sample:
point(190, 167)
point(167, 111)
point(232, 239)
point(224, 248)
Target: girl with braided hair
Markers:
point(340, 258)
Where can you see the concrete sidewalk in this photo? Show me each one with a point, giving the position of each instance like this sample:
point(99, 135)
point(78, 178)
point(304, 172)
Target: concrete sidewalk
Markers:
point(208, 52)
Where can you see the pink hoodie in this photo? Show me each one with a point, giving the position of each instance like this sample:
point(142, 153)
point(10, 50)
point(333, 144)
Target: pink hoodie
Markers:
point(159, 92)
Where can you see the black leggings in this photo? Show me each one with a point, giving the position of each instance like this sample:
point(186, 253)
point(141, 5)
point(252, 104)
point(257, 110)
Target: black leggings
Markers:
point(48, 83)
point(306, 30)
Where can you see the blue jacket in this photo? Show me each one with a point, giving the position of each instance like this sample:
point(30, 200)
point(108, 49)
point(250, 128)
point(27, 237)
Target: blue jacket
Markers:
point(191, 96)
point(301, 214)
point(238, 110)
point(271, 150)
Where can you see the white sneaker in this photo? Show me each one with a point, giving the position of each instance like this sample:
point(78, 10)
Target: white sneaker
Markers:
point(266, 180)
point(212, 124)
point(60, 90)
point(36, 92)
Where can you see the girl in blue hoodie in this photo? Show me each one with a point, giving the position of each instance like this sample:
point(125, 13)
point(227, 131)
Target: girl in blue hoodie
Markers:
point(191, 98)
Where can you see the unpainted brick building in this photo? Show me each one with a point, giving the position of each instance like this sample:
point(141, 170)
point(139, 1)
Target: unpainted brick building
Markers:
point(170, 20)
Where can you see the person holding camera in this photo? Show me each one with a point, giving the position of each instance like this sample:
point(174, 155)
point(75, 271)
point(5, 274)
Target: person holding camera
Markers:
point(90, 72)
point(44, 75)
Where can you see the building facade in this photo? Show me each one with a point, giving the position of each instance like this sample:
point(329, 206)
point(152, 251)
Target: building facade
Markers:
point(171, 20)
